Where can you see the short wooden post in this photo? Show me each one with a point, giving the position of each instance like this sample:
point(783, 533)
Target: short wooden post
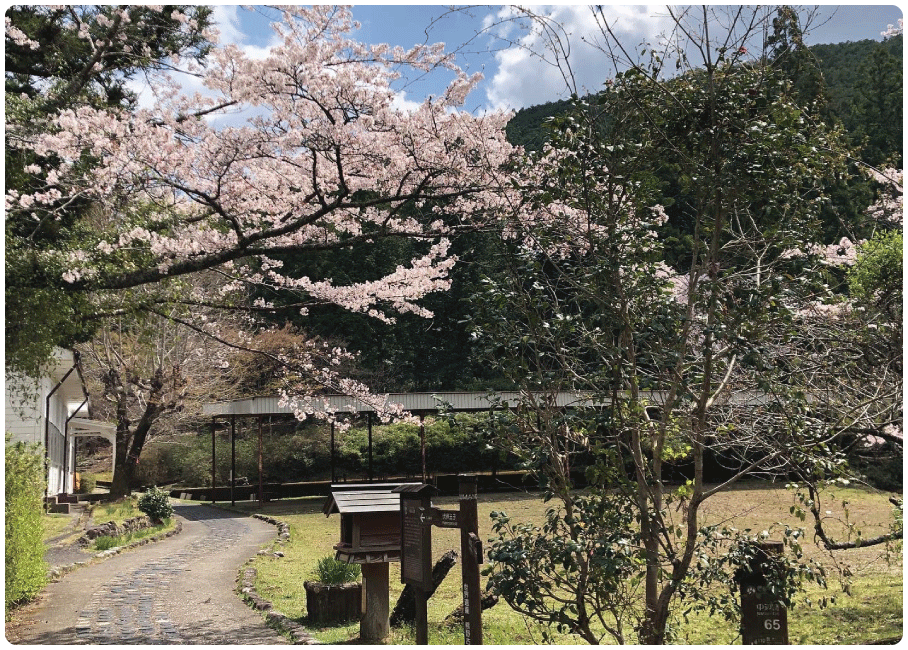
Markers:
point(422, 616)
point(375, 624)
point(764, 621)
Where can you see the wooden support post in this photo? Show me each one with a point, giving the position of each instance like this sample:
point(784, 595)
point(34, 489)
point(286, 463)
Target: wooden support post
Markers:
point(422, 444)
point(491, 433)
point(471, 557)
point(261, 464)
point(232, 458)
point(375, 624)
point(369, 420)
point(333, 474)
point(422, 616)
point(213, 458)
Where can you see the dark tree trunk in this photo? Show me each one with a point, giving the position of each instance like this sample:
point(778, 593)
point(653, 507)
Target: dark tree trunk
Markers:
point(130, 449)
point(488, 600)
point(405, 610)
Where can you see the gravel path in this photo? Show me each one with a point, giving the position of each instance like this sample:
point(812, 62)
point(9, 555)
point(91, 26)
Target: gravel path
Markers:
point(179, 591)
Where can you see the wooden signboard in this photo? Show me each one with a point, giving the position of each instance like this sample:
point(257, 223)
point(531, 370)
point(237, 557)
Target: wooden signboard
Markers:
point(417, 517)
point(416, 542)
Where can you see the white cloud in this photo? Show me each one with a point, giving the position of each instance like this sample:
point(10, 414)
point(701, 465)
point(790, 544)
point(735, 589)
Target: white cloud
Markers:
point(401, 103)
point(529, 72)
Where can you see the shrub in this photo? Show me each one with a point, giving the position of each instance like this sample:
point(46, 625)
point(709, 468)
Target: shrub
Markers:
point(156, 504)
point(87, 483)
point(334, 572)
point(26, 571)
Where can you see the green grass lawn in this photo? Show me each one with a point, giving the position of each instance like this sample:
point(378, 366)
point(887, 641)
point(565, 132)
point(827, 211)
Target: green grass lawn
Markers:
point(873, 611)
point(55, 524)
point(116, 511)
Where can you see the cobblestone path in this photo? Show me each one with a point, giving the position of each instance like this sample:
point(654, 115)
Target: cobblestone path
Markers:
point(178, 591)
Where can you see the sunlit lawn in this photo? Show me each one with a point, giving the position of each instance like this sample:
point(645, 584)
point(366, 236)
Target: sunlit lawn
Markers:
point(872, 612)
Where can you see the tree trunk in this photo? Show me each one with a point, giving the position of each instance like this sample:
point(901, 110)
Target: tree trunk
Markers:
point(130, 449)
point(488, 600)
point(119, 486)
point(405, 609)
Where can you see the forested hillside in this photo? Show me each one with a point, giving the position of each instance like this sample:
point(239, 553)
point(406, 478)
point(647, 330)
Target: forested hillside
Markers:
point(862, 83)
point(861, 89)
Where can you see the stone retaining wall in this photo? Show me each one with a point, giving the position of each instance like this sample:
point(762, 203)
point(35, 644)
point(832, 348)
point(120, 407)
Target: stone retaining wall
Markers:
point(111, 529)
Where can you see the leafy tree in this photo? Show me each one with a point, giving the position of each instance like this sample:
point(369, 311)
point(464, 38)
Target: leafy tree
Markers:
point(59, 58)
point(687, 361)
point(146, 371)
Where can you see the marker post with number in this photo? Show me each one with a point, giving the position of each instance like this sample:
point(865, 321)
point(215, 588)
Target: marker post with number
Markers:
point(764, 621)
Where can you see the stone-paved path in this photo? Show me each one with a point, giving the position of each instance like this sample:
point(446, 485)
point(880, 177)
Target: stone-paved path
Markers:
point(177, 591)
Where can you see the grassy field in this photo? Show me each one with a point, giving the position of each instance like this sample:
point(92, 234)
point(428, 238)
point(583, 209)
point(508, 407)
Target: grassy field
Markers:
point(875, 601)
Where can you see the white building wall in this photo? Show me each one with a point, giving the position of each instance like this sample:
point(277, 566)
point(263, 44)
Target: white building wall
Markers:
point(24, 418)
point(24, 415)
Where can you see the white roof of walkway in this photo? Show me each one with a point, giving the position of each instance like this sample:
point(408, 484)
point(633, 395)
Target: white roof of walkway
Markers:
point(412, 402)
point(428, 402)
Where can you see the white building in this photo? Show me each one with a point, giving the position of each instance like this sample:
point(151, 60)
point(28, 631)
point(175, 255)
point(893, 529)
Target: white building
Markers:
point(52, 412)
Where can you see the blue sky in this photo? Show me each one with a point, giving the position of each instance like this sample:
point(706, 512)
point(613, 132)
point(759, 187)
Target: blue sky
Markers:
point(513, 77)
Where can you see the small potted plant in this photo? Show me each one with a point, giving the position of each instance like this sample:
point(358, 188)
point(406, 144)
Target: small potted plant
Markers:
point(336, 595)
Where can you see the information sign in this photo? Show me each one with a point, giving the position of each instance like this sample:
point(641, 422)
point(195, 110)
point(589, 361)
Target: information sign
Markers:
point(445, 518)
point(415, 543)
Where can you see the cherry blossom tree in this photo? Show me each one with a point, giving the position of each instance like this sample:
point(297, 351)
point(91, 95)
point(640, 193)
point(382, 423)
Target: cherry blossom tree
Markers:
point(303, 149)
point(146, 374)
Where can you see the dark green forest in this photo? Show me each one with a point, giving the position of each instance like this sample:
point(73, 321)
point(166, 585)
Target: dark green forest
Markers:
point(856, 85)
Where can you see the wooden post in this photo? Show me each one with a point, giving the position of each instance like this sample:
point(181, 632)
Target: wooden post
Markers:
point(471, 556)
point(213, 458)
point(491, 434)
point(375, 625)
point(422, 443)
point(764, 621)
point(333, 474)
point(422, 616)
point(416, 552)
point(232, 457)
point(369, 420)
point(261, 481)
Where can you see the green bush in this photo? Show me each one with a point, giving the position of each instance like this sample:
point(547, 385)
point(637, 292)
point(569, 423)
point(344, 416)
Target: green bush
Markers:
point(26, 571)
point(105, 542)
point(451, 448)
point(156, 504)
point(87, 483)
point(334, 572)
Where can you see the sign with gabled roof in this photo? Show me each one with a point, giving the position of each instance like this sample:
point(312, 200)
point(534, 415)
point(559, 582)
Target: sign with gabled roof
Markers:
point(368, 497)
point(370, 521)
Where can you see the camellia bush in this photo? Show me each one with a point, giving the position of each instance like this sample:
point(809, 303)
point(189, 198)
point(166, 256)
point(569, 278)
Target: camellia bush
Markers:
point(26, 571)
point(156, 504)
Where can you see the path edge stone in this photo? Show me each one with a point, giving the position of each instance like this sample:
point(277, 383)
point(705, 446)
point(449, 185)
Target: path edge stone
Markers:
point(278, 620)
